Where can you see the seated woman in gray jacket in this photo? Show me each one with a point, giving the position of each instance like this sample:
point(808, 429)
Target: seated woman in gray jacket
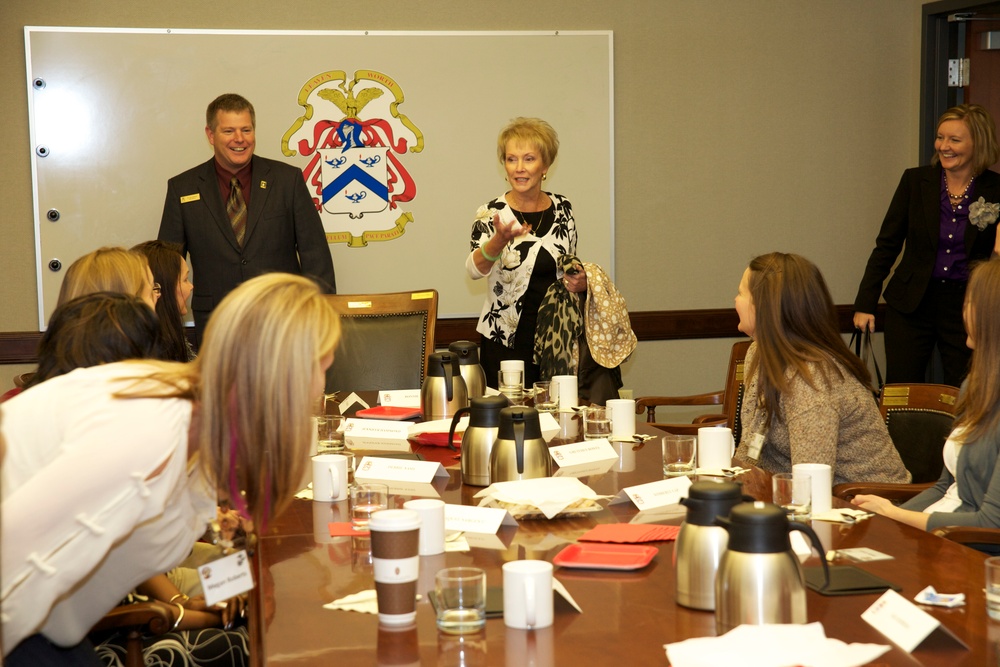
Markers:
point(968, 493)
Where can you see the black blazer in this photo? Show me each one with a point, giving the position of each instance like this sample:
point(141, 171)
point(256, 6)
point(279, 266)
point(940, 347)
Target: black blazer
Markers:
point(284, 231)
point(914, 217)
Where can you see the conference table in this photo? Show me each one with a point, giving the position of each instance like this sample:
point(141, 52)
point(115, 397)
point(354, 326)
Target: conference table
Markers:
point(628, 616)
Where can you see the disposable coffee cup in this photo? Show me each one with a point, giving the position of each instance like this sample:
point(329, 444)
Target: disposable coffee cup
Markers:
point(395, 536)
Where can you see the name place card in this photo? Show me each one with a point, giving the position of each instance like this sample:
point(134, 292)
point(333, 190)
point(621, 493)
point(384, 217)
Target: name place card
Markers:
point(903, 622)
point(585, 469)
point(225, 577)
point(582, 453)
point(654, 494)
point(403, 398)
point(398, 470)
point(382, 444)
point(469, 519)
point(376, 428)
point(351, 400)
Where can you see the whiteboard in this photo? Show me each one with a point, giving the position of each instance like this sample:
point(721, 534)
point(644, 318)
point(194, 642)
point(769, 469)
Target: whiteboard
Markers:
point(114, 113)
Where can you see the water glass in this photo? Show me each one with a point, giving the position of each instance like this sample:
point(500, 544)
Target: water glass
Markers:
point(461, 599)
point(546, 396)
point(596, 423)
point(679, 455)
point(511, 385)
point(366, 499)
point(993, 587)
point(329, 436)
point(792, 491)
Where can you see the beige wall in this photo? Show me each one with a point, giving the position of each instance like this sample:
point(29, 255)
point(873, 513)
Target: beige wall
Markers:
point(742, 126)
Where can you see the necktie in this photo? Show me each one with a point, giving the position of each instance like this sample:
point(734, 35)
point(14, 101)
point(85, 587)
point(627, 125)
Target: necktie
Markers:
point(236, 207)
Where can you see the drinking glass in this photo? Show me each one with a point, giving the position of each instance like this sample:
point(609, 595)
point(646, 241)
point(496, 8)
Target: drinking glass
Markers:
point(993, 587)
point(366, 499)
point(546, 396)
point(329, 437)
point(679, 455)
point(511, 385)
point(461, 599)
point(596, 423)
point(792, 491)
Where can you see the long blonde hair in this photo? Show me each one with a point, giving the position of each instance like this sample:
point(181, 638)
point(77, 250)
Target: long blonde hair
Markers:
point(978, 407)
point(107, 269)
point(252, 386)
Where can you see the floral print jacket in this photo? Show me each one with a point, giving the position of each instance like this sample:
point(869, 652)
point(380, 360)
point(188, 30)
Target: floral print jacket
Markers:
point(508, 280)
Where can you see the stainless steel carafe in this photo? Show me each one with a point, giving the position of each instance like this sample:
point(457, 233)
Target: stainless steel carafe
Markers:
point(759, 579)
point(701, 541)
point(443, 392)
point(468, 365)
point(520, 451)
point(479, 436)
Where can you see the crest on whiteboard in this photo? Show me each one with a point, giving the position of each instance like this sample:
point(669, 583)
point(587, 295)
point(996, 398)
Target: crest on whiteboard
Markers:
point(357, 140)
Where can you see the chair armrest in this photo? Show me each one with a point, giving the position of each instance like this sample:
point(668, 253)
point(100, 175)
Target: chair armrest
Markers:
point(710, 420)
point(894, 492)
point(969, 534)
point(711, 398)
point(151, 618)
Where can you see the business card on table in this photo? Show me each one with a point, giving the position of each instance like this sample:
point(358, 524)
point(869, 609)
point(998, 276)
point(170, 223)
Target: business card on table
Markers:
point(375, 428)
point(403, 398)
point(863, 554)
point(582, 453)
point(903, 622)
point(398, 470)
point(654, 494)
point(471, 519)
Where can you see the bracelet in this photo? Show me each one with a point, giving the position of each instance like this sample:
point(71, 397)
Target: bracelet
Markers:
point(482, 249)
point(180, 617)
point(183, 601)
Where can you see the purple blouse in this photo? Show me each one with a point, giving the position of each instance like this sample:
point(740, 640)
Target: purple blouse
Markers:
point(951, 262)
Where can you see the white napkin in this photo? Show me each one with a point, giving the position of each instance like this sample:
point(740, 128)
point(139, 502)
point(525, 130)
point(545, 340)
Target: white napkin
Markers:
point(365, 602)
point(773, 646)
point(550, 495)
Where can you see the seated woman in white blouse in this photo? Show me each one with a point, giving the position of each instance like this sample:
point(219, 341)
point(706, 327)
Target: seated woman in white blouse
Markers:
point(111, 472)
point(968, 492)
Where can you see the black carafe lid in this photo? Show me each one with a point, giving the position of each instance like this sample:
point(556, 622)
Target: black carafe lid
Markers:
point(757, 528)
point(467, 352)
point(707, 500)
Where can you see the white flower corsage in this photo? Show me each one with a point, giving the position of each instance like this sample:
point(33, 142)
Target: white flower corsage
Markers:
point(982, 213)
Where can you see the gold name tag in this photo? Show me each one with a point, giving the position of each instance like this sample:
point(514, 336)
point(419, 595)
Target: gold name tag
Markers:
point(186, 198)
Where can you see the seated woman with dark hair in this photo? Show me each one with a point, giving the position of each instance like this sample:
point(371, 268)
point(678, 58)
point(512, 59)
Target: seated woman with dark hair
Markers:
point(808, 398)
point(170, 272)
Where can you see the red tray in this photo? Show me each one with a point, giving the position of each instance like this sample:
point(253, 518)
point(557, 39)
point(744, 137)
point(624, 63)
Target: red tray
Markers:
point(605, 556)
point(393, 412)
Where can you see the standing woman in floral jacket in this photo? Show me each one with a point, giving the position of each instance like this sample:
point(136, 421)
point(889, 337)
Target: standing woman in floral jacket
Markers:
point(517, 240)
point(946, 214)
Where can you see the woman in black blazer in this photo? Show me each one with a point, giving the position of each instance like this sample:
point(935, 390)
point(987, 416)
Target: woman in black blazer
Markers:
point(946, 215)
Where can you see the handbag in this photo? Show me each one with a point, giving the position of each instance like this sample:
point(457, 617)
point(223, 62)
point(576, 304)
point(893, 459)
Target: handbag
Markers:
point(862, 344)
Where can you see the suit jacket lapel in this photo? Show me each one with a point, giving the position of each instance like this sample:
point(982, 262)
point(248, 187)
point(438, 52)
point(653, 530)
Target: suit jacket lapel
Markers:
point(259, 185)
point(213, 201)
point(930, 194)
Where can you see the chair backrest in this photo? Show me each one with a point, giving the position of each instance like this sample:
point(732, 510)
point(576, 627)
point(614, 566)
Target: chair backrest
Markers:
point(387, 340)
point(732, 399)
point(919, 418)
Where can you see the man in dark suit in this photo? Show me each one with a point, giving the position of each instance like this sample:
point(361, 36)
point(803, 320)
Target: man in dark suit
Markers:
point(241, 215)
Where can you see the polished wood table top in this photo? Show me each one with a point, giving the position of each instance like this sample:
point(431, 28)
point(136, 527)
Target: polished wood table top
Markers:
point(627, 615)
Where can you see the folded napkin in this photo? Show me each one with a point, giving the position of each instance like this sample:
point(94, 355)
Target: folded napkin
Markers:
point(630, 533)
point(773, 646)
point(547, 495)
point(365, 602)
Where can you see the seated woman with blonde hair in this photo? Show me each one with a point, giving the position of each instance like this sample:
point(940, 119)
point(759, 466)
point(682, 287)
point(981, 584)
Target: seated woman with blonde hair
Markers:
point(140, 450)
point(968, 492)
point(110, 269)
point(807, 397)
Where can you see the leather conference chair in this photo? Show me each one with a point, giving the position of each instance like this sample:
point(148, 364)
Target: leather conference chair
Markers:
point(730, 400)
point(387, 340)
point(919, 418)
